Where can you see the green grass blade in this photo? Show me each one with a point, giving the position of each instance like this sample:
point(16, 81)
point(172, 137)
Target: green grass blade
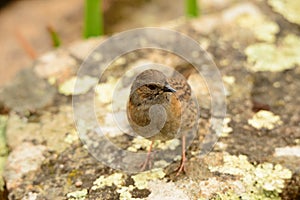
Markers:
point(192, 9)
point(93, 18)
point(54, 36)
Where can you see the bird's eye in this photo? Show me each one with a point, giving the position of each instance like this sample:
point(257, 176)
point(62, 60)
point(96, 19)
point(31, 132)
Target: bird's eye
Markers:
point(151, 87)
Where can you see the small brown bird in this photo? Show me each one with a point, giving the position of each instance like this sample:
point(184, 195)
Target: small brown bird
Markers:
point(161, 108)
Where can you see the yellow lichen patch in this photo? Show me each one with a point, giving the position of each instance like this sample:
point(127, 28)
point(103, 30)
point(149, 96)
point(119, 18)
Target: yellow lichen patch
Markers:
point(263, 29)
point(104, 91)
point(226, 128)
point(71, 137)
point(169, 144)
point(51, 128)
point(288, 8)
point(229, 79)
point(234, 165)
point(139, 143)
point(117, 179)
point(141, 180)
point(288, 151)
point(271, 177)
point(264, 119)
point(264, 181)
point(229, 83)
point(161, 163)
point(52, 80)
point(77, 195)
point(125, 193)
point(268, 57)
point(76, 86)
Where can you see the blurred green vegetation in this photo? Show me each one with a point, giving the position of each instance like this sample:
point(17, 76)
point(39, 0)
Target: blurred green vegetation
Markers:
point(54, 36)
point(93, 18)
point(3, 148)
point(191, 8)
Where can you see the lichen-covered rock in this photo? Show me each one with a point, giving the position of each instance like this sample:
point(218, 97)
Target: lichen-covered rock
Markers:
point(256, 156)
point(25, 158)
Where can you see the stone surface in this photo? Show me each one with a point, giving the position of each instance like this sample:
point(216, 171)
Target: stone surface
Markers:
point(27, 93)
point(248, 162)
point(25, 158)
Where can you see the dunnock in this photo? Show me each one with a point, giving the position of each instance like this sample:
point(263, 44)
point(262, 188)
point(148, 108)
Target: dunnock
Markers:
point(161, 108)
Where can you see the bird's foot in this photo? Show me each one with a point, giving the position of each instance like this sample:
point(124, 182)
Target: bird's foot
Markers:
point(147, 162)
point(181, 168)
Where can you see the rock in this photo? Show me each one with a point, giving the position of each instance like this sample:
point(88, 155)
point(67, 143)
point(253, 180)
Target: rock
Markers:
point(54, 130)
point(166, 191)
point(27, 93)
point(56, 64)
point(81, 49)
point(25, 158)
point(248, 162)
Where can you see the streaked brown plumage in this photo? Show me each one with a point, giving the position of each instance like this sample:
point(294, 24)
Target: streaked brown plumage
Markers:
point(175, 114)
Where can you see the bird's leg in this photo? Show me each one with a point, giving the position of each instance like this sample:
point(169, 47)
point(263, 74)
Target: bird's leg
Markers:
point(147, 161)
point(183, 158)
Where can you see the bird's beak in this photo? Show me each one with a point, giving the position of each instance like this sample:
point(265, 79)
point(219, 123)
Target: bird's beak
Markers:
point(168, 88)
